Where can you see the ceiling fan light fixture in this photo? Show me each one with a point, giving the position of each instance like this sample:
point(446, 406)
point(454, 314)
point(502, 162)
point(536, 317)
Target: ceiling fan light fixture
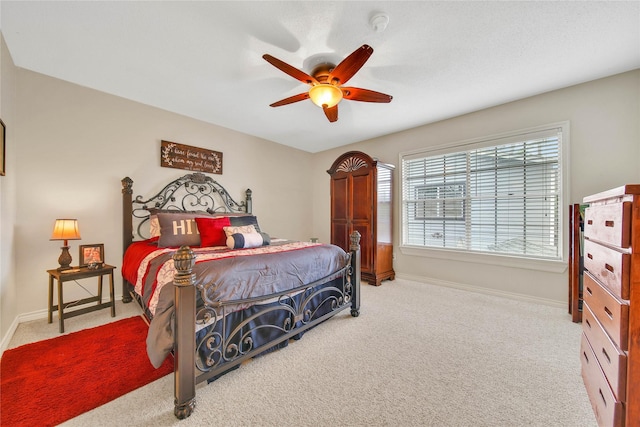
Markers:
point(325, 94)
point(327, 80)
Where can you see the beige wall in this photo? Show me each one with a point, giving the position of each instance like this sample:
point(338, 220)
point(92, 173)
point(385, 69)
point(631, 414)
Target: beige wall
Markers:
point(604, 153)
point(76, 144)
point(8, 284)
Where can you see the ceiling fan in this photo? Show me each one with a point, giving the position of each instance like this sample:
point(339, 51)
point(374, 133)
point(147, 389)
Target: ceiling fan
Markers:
point(326, 82)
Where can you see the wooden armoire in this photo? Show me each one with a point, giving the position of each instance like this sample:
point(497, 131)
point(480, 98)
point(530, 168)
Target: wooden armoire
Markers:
point(362, 200)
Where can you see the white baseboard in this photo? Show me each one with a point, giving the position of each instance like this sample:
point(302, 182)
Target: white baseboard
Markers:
point(7, 337)
point(28, 317)
point(481, 290)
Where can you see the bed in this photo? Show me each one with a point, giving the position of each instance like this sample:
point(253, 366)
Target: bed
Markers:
point(228, 292)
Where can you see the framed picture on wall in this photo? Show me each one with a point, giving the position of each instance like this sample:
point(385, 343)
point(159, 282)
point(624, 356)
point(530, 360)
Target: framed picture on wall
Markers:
point(91, 255)
point(2, 150)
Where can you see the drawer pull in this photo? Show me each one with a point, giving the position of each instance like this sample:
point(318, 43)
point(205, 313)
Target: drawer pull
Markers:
point(584, 353)
point(609, 267)
point(608, 223)
point(590, 222)
point(609, 313)
point(602, 396)
point(606, 355)
point(587, 322)
point(589, 291)
point(589, 256)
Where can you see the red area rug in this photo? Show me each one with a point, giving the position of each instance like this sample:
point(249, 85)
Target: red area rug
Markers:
point(48, 382)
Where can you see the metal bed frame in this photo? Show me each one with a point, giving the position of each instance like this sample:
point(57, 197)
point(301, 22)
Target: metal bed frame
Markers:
point(231, 344)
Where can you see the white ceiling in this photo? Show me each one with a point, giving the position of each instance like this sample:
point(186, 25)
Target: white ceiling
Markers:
point(437, 59)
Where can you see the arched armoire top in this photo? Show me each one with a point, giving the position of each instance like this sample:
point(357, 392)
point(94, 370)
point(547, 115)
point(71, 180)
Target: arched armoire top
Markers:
point(351, 161)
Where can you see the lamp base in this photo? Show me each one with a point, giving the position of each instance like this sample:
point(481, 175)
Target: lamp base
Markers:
point(65, 259)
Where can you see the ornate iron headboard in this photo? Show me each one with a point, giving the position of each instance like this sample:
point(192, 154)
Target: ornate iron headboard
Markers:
point(192, 192)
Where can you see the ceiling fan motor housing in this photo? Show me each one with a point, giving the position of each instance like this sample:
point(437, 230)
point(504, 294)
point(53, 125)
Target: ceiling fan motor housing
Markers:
point(321, 73)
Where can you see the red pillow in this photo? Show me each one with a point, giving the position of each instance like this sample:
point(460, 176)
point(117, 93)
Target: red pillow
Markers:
point(211, 231)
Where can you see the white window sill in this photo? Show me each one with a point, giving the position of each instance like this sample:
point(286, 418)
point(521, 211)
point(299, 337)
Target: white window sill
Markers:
point(552, 266)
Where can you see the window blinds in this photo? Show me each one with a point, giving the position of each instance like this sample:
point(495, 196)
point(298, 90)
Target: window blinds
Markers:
point(491, 198)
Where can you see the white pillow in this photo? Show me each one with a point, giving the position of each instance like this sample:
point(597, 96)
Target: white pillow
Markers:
point(245, 237)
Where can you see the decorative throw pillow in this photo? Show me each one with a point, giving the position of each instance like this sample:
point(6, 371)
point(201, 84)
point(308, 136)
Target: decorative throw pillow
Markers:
point(245, 237)
point(240, 220)
point(154, 226)
point(212, 231)
point(239, 229)
point(178, 229)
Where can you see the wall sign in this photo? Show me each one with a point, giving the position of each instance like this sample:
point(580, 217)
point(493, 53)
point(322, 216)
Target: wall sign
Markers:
point(179, 156)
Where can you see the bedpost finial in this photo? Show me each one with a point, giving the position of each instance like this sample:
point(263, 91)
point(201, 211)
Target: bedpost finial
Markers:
point(127, 185)
point(355, 240)
point(184, 260)
point(248, 201)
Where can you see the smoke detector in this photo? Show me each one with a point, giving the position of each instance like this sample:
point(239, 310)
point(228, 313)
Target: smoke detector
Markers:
point(379, 22)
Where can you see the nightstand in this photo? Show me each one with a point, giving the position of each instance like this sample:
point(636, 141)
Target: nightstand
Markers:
point(78, 273)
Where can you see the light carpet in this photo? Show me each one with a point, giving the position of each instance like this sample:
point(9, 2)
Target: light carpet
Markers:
point(418, 355)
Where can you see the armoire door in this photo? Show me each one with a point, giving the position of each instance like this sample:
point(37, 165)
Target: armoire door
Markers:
point(340, 211)
point(361, 215)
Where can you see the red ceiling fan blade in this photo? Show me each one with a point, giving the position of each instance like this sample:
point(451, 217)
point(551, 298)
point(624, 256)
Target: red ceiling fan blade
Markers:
point(292, 71)
point(364, 95)
point(331, 113)
point(350, 65)
point(291, 99)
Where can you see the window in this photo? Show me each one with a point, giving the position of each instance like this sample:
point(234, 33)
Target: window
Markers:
point(442, 200)
point(384, 205)
point(500, 195)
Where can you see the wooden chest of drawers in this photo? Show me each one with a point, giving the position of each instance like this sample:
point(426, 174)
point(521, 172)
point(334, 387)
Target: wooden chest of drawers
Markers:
point(610, 346)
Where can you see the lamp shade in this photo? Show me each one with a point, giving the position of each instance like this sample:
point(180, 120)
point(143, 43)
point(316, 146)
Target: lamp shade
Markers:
point(65, 229)
point(325, 94)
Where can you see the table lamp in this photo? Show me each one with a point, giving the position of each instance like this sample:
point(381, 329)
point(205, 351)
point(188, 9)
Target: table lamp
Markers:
point(65, 229)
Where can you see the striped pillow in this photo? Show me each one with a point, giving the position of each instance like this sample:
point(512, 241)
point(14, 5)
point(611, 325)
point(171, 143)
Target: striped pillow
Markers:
point(245, 237)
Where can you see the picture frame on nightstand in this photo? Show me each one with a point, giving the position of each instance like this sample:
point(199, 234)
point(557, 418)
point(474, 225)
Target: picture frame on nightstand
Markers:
point(92, 255)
